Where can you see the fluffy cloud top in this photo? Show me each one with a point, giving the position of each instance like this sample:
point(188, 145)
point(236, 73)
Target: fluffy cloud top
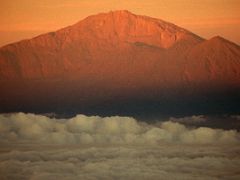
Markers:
point(41, 148)
point(114, 130)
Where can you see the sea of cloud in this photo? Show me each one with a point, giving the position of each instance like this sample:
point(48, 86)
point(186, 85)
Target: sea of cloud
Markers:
point(83, 147)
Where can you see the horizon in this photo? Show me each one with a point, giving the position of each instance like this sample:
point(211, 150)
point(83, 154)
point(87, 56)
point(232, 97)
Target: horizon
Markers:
point(20, 21)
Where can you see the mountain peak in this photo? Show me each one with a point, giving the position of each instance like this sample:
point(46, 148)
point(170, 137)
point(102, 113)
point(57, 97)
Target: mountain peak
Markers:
point(116, 13)
point(220, 41)
point(124, 26)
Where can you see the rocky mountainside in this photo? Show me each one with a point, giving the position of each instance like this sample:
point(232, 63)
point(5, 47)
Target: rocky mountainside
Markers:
point(116, 57)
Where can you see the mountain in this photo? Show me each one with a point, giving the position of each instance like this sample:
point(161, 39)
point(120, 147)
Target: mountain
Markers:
point(120, 63)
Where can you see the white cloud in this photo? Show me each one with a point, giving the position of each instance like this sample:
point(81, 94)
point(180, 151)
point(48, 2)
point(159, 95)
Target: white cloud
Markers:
point(115, 130)
point(168, 161)
point(41, 148)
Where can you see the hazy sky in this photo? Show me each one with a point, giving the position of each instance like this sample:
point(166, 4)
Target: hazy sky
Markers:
point(21, 19)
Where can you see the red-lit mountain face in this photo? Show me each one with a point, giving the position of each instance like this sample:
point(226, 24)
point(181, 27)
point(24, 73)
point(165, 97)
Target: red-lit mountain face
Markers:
point(115, 57)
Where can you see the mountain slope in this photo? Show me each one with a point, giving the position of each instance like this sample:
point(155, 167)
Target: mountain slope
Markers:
point(216, 60)
point(117, 59)
point(96, 37)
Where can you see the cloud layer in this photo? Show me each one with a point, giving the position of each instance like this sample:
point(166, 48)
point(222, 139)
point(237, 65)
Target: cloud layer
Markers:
point(165, 161)
point(41, 148)
point(82, 129)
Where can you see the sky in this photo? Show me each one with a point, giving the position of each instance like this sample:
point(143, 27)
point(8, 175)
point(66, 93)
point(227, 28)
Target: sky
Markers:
point(20, 19)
